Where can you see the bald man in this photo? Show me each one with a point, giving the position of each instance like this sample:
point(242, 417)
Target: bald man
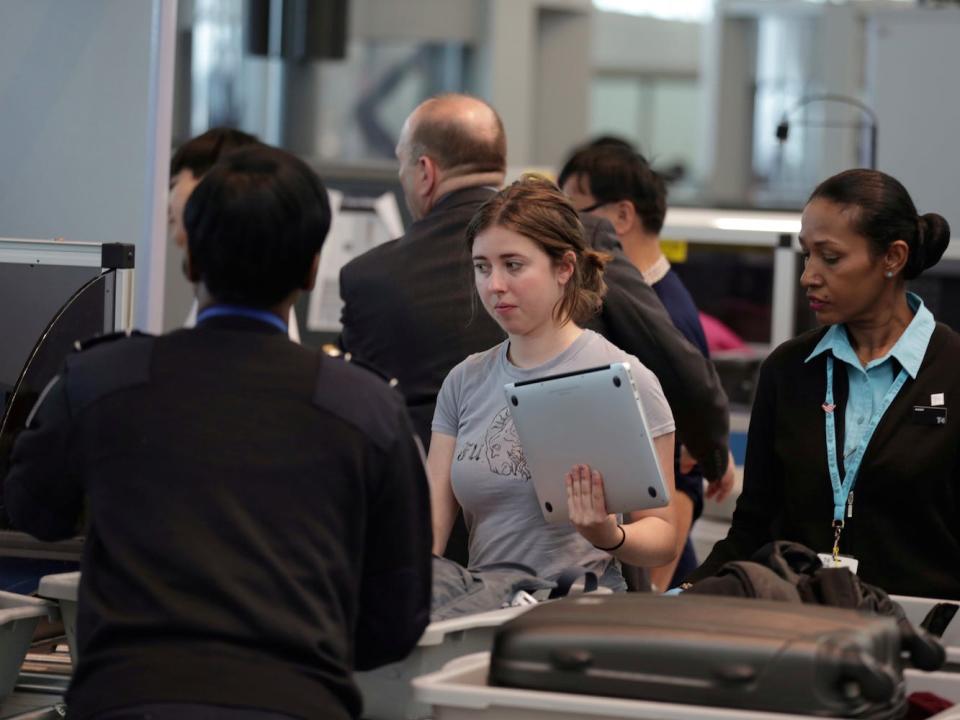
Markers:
point(409, 304)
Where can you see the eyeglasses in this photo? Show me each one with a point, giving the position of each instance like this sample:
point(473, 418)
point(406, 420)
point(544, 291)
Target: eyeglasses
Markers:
point(595, 206)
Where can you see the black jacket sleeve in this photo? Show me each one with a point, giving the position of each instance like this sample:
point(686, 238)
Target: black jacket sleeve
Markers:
point(758, 506)
point(634, 319)
point(396, 583)
point(43, 492)
point(347, 321)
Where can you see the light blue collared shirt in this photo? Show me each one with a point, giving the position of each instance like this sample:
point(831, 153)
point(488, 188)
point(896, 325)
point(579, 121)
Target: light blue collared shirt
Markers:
point(869, 384)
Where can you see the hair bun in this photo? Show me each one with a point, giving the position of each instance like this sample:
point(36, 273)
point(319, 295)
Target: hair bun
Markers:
point(593, 286)
point(933, 240)
point(593, 264)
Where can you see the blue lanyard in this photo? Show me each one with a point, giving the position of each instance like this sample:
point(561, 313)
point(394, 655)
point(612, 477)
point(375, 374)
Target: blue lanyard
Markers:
point(842, 489)
point(241, 311)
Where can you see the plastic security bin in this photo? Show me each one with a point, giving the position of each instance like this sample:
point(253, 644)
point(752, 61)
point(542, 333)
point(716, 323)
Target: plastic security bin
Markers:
point(944, 684)
point(460, 692)
point(63, 588)
point(19, 615)
point(387, 693)
point(916, 609)
point(54, 712)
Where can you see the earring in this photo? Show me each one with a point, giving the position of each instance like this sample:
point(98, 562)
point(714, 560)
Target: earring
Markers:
point(888, 274)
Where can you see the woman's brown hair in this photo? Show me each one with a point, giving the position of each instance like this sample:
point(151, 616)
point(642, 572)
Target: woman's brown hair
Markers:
point(535, 208)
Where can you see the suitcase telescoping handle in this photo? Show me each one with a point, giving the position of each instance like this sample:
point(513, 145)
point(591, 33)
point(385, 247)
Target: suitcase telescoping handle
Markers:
point(579, 660)
point(875, 682)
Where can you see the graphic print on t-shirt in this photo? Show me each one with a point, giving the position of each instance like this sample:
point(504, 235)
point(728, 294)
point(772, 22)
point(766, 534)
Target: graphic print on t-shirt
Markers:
point(500, 447)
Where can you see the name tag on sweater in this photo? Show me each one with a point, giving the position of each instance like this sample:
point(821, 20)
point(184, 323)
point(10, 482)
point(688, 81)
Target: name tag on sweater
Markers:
point(928, 415)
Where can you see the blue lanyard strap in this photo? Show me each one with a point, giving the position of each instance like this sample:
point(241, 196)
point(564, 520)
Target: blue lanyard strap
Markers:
point(241, 311)
point(842, 489)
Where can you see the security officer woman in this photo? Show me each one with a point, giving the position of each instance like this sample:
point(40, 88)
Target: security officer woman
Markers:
point(852, 449)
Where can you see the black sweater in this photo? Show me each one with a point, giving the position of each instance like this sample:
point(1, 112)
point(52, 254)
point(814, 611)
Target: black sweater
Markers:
point(905, 529)
point(258, 520)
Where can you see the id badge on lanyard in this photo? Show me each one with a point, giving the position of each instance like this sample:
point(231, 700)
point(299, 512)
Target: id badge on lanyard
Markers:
point(843, 488)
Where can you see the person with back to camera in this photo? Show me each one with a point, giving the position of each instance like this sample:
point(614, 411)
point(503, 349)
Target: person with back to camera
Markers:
point(189, 164)
point(257, 513)
point(852, 449)
point(536, 278)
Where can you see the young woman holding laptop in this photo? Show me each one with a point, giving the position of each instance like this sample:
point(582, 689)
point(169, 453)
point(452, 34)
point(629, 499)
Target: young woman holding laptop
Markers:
point(537, 279)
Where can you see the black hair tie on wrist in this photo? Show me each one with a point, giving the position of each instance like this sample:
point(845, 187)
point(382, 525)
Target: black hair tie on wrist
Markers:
point(623, 539)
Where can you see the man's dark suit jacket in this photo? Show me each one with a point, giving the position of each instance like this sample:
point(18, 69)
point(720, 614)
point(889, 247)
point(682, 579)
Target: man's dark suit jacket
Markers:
point(409, 310)
point(409, 306)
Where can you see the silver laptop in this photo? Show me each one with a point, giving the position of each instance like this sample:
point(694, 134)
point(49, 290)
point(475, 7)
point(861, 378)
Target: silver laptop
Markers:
point(591, 417)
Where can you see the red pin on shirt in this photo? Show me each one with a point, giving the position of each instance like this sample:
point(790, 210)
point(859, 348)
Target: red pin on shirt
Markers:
point(828, 407)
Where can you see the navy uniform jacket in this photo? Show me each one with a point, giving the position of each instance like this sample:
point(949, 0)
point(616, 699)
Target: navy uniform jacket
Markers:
point(409, 310)
point(258, 519)
point(905, 529)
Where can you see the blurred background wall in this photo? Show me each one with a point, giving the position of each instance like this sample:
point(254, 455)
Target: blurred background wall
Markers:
point(92, 106)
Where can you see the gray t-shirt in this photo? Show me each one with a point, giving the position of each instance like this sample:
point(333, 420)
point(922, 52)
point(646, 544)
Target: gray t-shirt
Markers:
point(490, 477)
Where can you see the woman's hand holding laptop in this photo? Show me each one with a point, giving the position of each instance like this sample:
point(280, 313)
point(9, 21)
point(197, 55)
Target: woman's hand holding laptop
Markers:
point(587, 507)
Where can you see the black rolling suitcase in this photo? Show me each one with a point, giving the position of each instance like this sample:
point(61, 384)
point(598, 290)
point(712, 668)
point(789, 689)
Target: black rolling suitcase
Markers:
point(707, 650)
